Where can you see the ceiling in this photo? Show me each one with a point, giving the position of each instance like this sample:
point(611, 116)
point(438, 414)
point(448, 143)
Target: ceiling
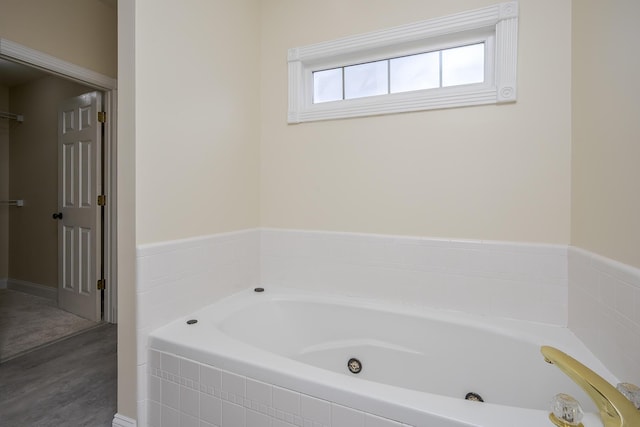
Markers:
point(14, 74)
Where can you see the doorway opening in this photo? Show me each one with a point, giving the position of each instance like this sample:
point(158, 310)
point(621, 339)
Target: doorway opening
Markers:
point(32, 239)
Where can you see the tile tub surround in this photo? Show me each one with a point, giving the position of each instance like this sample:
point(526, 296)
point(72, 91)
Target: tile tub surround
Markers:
point(604, 310)
point(525, 281)
point(187, 393)
point(500, 279)
point(503, 279)
point(179, 277)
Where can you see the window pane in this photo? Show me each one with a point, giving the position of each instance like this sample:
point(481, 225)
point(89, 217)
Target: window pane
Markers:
point(463, 65)
point(327, 85)
point(366, 79)
point(415, 72)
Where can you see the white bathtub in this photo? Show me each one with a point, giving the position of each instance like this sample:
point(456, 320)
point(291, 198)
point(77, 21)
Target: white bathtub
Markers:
point(279, 358)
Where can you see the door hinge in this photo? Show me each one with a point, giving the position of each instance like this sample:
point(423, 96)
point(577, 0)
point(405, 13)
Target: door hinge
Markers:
point(102, 284)
point(102, 116)
point(102, 200)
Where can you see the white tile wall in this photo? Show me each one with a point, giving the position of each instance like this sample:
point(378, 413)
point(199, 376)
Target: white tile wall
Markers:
point(604, 311)
point(187, 399)
point(342, 416)
point(315, 409)
point(515, 280)
point(177, 278)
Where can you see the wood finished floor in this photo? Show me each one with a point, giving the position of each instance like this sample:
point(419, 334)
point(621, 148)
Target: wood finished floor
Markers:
point(70, 383)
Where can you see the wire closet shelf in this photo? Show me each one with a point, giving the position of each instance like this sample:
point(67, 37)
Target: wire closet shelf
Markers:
point(11, 116)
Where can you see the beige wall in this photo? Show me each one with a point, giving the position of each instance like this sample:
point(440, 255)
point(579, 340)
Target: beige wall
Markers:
point(197, 117)
point(489, 172)
point(127, 374)
point(79, 31)
point(33, 176)
point(4, 185)
point(606, 129)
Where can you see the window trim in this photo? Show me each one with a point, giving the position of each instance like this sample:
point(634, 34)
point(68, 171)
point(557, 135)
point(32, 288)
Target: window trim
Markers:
point(497, 24)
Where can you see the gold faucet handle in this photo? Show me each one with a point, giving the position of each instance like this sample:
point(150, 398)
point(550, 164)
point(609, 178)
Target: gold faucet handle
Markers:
point(566, 411)
point(631, 392)
point(614, 408)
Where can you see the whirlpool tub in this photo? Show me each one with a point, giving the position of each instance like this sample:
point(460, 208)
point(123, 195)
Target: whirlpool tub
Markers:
point(284, 358)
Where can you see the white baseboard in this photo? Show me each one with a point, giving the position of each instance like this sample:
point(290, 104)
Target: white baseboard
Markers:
point(122, 421)
point(33, 289)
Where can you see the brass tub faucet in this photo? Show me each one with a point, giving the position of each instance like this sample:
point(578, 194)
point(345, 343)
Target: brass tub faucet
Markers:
point(615, 409)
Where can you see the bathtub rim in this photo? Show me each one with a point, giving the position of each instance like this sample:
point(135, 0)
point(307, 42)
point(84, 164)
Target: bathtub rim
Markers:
point(408, 405)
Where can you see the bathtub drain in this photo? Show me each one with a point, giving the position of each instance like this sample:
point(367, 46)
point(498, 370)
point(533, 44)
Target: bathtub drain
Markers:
point(354, 365)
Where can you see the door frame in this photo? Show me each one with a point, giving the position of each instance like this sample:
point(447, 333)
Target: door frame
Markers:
point(109, 87)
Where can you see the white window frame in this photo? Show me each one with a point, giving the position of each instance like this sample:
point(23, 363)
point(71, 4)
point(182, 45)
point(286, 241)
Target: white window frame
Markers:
point(496, 26)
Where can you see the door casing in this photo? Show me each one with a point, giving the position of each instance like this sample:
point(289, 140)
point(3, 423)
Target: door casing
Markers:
point(108, 86)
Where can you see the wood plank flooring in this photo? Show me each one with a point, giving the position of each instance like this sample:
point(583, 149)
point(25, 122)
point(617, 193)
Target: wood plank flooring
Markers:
point(70, 383)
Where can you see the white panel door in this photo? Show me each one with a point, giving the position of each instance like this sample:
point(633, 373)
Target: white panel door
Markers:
point(79, 184)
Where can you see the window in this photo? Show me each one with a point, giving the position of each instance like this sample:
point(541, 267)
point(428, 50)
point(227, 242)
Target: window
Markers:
point(443, 68)
point(459, 60)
